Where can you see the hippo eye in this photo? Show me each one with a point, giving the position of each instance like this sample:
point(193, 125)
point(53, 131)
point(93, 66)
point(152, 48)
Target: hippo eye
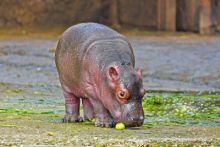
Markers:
point(123, 94)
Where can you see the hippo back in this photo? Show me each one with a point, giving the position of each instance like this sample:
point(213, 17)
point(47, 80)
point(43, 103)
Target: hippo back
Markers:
point(80, 36)
point(74, 44)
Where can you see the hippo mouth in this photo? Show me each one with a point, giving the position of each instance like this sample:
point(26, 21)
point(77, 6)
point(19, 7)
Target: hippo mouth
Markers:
point(133, 114)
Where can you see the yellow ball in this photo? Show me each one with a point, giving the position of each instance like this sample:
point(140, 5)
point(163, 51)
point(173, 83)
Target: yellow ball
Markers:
point(120, 126)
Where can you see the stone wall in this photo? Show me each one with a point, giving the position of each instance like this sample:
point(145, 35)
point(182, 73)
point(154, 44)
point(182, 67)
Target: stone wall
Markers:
point(140, 13)
point(198, 15)
point(51, 12)
point(146, 14)
point(218, 14)
point(187, 15)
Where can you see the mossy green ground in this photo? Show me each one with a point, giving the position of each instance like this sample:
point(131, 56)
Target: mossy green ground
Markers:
point(183, 108)
point(170, 119)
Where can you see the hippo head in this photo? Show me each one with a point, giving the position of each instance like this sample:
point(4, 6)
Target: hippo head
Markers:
point(127, 92)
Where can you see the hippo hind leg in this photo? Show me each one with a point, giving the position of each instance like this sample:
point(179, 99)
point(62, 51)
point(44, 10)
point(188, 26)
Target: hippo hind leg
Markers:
point(72, 104)
point(87, 109)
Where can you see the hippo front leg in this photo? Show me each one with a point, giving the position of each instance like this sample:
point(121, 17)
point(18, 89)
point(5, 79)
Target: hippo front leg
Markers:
point(103, 117)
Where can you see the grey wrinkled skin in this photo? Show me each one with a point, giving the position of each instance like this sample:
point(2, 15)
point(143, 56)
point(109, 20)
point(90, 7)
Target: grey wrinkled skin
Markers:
point(93, 62)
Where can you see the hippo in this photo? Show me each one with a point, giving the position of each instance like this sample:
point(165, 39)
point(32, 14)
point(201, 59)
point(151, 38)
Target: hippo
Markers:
point(95, 65)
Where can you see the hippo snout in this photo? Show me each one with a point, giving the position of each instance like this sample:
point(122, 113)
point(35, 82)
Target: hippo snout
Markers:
point(133, 114)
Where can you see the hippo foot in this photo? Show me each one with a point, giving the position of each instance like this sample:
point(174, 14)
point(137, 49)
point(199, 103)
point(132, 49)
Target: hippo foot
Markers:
point(108, 123)
point(89, 116)
point(71, 118)
point(88, 119)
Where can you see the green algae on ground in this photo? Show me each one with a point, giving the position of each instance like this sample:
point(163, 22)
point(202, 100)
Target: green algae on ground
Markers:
point(13, 90)
point(22, 99)
point(24, 111)
point(11, 126)
point(15, 110)
point(181, 108)
point(164, 109)
point(160, 123)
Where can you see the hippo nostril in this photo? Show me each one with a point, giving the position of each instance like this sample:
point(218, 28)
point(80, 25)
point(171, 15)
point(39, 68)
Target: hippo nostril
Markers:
point(141, 117)
point(134, 119)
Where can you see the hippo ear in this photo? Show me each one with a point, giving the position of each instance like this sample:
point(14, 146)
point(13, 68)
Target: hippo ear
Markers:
point(140, 73)
point(113, 73)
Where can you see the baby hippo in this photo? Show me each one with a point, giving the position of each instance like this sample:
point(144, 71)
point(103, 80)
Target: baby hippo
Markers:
point(96, 64)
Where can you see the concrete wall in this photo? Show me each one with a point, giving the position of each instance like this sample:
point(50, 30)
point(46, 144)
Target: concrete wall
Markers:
point(218, 14)
point(139, 13)
point(51, 12)
point(148, 14)
point(187, 15)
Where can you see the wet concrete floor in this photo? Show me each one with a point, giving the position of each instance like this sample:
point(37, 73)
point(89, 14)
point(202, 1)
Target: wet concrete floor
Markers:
point(169, 63)
point(29, 81)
